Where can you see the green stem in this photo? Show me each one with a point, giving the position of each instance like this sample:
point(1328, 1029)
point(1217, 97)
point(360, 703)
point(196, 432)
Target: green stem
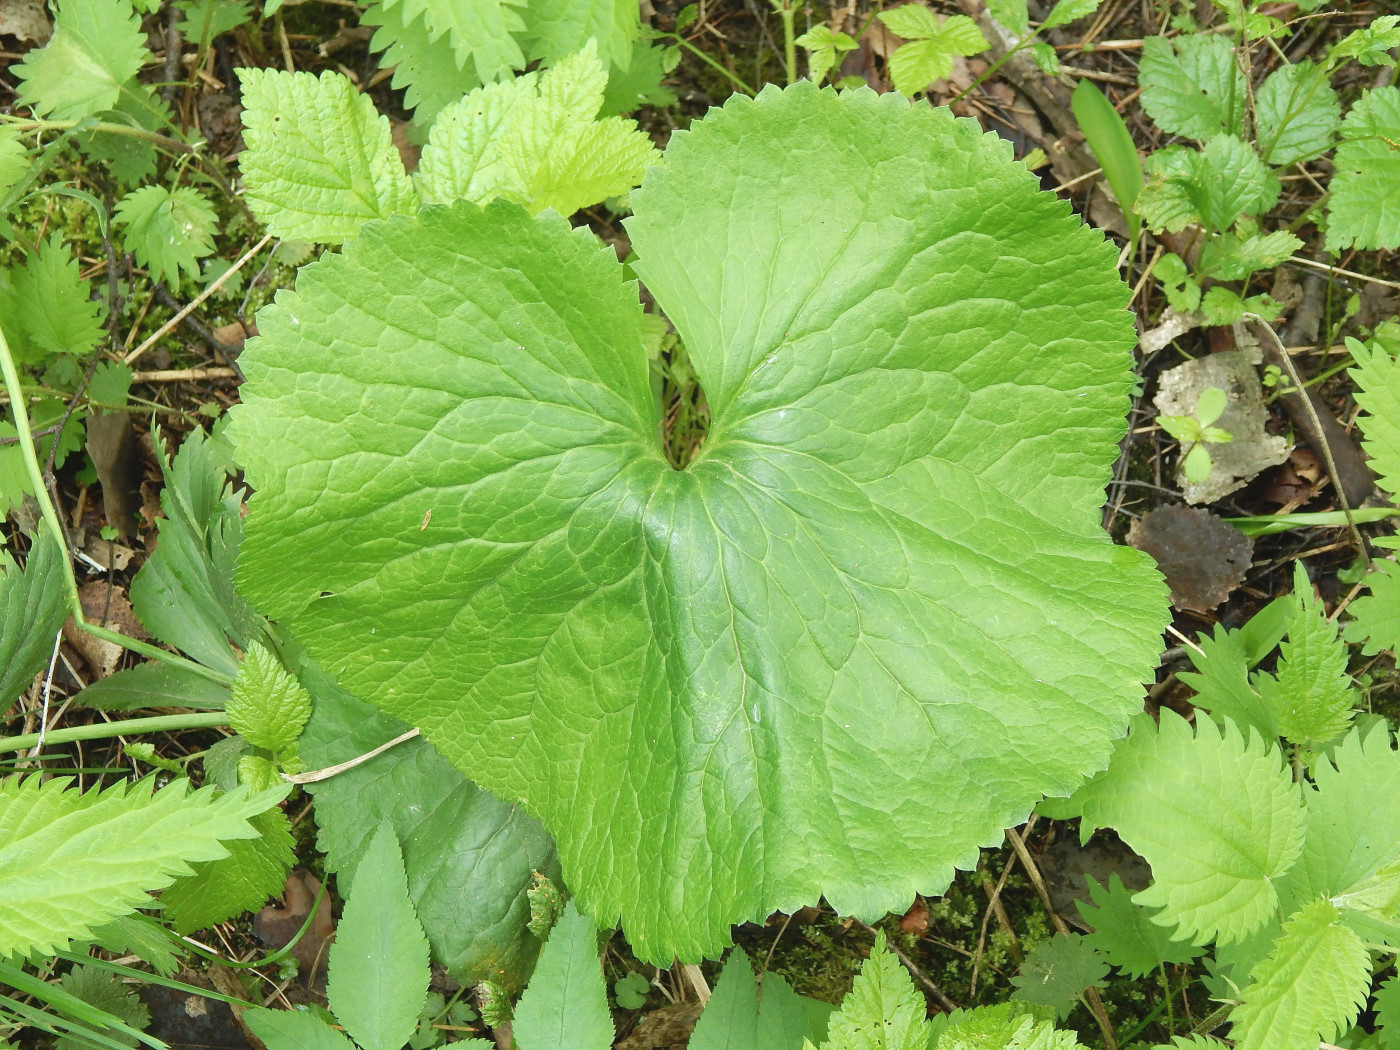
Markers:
point(718, 67)
point(1021, 45)
point(55, 528)
point(127, 727)
point(787, 10)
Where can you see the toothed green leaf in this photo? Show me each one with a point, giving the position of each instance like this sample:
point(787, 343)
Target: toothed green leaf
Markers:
point(33, 606)
point(565, 1006)
point(169, 230)
point(97, 46)
point(1297, 113)
point(425, 69)
point(254, 870)
point(1191, 86)
point(1057, 972)
point(1363, 210)
point(882, 1011)
point(47, 308)
point(1125, 933)
point(268, 707)
point(482, 33)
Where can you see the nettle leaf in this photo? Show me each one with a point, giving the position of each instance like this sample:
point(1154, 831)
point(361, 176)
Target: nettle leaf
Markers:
point(559, 28)
point(470, 857)
point(728, 688)
point(425, 69)
point(1296, 112)
point(169, 229)
point(97, 46)
point(1311, 987)
point(1387, 1002)
point(254, 870)
point(319, 160)
point(71, 861)
point(566, 1005)
point(1125, 933)
point(736, 1018)
point(1057, 972)
point(932, 45)
point(481, 32)
point(33, 606)
point(535, 140)
point(882, 1011)
point(268, 707)
point(1364, 206)
point(1191, 86)
point(379, 960)
point(1217, 816)
point(48, 308)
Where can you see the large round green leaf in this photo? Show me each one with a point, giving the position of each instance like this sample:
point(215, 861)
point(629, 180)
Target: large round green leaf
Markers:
point(860, 634)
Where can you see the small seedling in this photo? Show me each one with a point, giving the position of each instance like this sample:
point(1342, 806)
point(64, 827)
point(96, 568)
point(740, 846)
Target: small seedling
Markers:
point(1196, 432)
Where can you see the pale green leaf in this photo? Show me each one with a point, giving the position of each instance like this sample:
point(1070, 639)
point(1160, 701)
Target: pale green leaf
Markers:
point(142, 936)
point(1364, 207)
point(268, 707)
point(1014, 1025)
point(1010, 13)
point(1066, 11)
point(824, 47)
point(1370, 44)
point(1112, 145)
point(482, 33)
point(932, 45)
point(1311, 691)
point(14, 158)
point(1057, 972)
point(732, 686)
point(206, 19)
point(379, 962)
point(737, 1018)
point(1297, 113)
point(96, 47)
point(1192, 86)
point(910, 21)
point(45, 413)
point(294, 1030)
point(882, 1011)
point(1232, 257)
point(919, 63)
point(470, 858)
point(48, 307)
point(129, 160)
point(72, 861)
point(105, 991)
point(169, 229)
point(33, 606)
point(1125, 933)
point(254, 870)
point(1217, 817)
point(425, 69)
point(319, 160)
point(1213, 186)
point(1376, 616)
point(566, 1005)
point(556, 29)
point(535, 140)
point(1310, 988)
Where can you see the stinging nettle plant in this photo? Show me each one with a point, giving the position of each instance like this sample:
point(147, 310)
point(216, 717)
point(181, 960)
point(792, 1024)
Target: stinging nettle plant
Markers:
point(856, 637)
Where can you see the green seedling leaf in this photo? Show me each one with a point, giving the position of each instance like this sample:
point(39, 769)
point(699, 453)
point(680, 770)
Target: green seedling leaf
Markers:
point(483, 34)
point(566, 1005)
point(254, 870)
point(269, 707)
point(1311, 987)
point(425, 66)
point(631, 991)
point(592, 623)
point(70, 861)
point(1297, 114)
point(1113, 147)
point(1216, 815)
point(294, 1030)
point(33, 606)
point(1210, 404)
point(535, 140)
point(824, 50)
point(319, 160)
point(1191, 86)
point(1196, 465)
point(932, 45)
point(470, 858)
point(97, 46)
point(738, 1017)
point(882, 1011)
point(1057, 972)
point(1124, 933)
point(168, 230)
point(379, 961)
point(1364, 206)
point(47, 307)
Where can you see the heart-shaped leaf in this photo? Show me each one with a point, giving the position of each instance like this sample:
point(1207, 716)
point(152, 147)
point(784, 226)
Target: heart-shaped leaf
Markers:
point(856, 637)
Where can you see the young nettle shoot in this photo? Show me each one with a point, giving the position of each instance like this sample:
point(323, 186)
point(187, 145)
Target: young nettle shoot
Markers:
point(1195, 433)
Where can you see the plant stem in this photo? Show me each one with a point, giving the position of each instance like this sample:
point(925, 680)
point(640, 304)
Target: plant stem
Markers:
point(126, 727)
point(55, 528)
point(718, 67)
point(787, 10)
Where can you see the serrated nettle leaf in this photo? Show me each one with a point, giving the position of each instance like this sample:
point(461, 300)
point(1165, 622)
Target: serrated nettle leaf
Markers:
point(425, 67)
point(470, 858)
point(535, 140)
point(379, 960)
point(882, 1011)
point(565, 1006)
point(1192, 86)
point(1223, 685)
point(1233, 258)
point(1387, 1006)
point(1296, 113)
point(254, 870)
point(268, 706)
point(1364, 206)
point(33, 606)
point(1376, 616)
point(319, 160)
point(1309, 989)
point(484, 34)
point(169, 230)
point(1216, 816)
point(104, 991)
point(97, 46)
point(587, 630)
point(559, 28)
point(47, 308)
point(14, 158)
point(1213, 186)
point(1125, 933)
point(71, 861)
point(43, 414)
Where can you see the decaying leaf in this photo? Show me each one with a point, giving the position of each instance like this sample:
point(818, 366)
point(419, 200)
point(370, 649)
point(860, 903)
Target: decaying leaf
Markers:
point(1202, 558)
